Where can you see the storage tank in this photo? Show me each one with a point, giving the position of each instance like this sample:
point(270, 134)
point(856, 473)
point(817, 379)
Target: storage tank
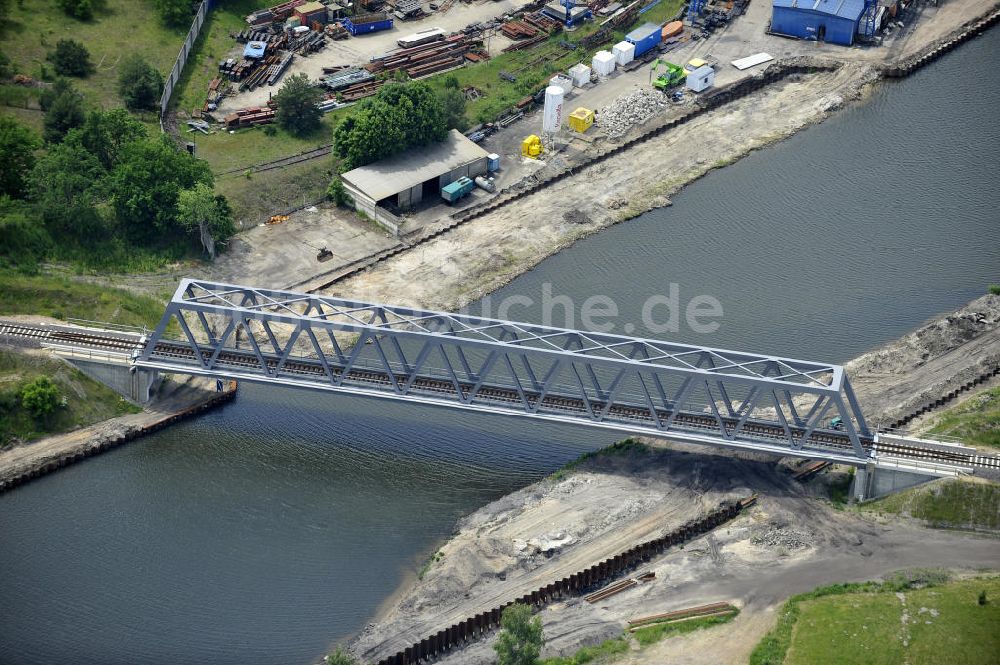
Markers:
point(624, 53)
point(603, 63)
point(485, 184)
point(552, 113)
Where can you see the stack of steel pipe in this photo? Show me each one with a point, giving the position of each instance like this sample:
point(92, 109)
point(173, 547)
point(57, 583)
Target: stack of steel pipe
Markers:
point(426, 58)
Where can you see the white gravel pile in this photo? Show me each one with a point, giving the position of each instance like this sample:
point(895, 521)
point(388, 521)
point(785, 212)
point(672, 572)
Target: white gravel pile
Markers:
point(630, 110)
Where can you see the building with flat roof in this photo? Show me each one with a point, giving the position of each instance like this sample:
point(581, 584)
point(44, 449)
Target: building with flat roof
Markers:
point(404, 180)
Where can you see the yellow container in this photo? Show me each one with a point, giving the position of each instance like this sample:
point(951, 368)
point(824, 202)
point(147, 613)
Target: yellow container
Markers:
point(581, 119)
point(696, 63)
point(531, 146)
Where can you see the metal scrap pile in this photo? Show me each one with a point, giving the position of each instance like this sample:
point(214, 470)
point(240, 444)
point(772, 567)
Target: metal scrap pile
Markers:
point(630, 110)
point(428, 58)
point(530, 29)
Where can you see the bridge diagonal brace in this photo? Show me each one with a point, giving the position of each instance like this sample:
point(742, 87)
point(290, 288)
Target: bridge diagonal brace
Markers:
point(221, 342)
point(715, 411)
point(291, 343)
point(245, 323)
point(484, 371)
point(322, 356)
point(649, 401)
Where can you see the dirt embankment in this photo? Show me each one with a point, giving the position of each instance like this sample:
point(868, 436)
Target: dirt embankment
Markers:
point(938, 358)
point(786, 545)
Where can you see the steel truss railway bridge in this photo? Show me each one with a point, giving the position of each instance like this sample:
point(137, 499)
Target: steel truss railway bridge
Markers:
point(680, 392)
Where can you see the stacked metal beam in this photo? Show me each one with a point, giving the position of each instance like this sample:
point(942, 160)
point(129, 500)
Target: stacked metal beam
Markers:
point(425, 59)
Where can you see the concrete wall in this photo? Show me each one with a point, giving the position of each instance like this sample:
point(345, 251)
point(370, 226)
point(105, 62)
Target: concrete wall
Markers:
point(134, 386)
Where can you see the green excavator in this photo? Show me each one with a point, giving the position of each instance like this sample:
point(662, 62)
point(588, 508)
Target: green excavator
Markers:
point(671, 76)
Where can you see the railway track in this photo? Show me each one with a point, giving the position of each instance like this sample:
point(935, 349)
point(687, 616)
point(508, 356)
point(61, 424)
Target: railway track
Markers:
point(624, 413)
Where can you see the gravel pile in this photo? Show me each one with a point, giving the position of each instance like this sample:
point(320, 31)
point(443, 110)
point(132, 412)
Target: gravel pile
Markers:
point(779, 536)
point(630, 110)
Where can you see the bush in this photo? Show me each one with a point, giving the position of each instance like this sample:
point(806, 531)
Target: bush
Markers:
point(23, 241)
point(982, 597)
point(336, 192)
point(175, 12)
point(79, 9)
point(17, 154)
point(71, 58)
point(995, 289)
point(40, 397)
point(339, 657)
point(65, 112)
point(139, 83)
point(520, 640)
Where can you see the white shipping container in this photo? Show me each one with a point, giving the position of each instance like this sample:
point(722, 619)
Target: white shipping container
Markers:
point(603, 63)
point(580, 74)
point(552, 113)
point(624, 52)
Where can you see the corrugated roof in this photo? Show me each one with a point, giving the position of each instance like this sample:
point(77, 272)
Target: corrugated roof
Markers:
point(851, 9)
point(643, 31)
point(310, 7)
point(411, 168)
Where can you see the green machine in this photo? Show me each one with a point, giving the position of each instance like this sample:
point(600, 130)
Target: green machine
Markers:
point(667, 74)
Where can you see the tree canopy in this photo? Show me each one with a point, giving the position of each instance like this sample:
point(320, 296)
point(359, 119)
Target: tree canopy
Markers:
point(175, 12)
point(296, 101)
point(63, 112)
point(205, 215)
point(520, 640)
point(71, 58)
point(139, 83)
point(40, 397)
point(17, 156)
point(401, 116)
point(79, 9)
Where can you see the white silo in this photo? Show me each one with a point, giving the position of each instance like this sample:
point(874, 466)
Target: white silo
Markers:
point(552, 113)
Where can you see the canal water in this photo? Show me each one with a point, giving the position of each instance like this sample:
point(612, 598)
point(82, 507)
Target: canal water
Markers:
point(266, 530)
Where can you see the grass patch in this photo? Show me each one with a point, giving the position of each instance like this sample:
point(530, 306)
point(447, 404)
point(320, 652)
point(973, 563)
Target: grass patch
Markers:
point(839, 488)
point(85, 400)
point(652, 634)
point(256, 198)
point(774, 647)
point(976, 422)
point(605, 652)
point(63, 298)
point(954, 503)
point(119, 27)
point(619, 448)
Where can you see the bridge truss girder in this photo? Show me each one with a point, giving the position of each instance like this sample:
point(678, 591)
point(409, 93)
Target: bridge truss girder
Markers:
point(629, 384)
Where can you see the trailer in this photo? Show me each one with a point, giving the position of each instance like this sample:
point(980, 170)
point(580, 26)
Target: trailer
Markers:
point(456, 190)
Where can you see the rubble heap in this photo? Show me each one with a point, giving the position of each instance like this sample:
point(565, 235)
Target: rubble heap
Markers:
point(630, 110)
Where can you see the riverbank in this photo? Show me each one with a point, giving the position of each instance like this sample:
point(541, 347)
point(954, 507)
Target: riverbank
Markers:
point(790, 542)
point(173, 400)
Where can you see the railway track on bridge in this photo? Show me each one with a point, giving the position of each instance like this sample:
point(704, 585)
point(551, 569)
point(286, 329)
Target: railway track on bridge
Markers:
point(625, 413)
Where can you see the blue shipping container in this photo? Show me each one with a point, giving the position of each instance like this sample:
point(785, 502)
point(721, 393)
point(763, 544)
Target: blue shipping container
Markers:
point(366, 27)
point(645, 37)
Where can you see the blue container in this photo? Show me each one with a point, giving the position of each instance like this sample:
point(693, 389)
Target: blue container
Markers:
point(456, 190)
point(830, 21)
point(365, 28)
point(645, 37)
point(492, 162)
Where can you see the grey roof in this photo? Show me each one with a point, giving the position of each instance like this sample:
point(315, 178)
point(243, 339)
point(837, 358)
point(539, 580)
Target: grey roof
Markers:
point(411, 168)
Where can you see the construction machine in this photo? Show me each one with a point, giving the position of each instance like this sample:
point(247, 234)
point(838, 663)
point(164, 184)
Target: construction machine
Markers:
point(671, 75)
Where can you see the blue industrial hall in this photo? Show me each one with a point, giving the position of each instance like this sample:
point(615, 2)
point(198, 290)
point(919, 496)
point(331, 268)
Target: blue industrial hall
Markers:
point(831, 21)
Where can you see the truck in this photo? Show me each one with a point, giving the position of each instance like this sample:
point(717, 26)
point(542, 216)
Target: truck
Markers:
point(456, 190)
point(672, 75)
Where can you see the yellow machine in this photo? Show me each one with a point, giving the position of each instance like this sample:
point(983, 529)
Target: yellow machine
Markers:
point(531, 147)
point(581, 119)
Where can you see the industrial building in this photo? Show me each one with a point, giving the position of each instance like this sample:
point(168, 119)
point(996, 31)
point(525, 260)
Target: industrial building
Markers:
point(406, 179)
point(831, 21)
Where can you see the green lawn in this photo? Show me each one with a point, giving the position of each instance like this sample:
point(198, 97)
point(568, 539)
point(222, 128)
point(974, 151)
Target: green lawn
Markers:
point(86, 401)
point(862, 624)
point(256, 198)
point(947, 503)
point(119, 27)
point(976, 422)
point(63, 298)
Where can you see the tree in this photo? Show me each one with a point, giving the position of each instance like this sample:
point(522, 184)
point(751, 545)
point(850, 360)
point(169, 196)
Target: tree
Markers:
point(520, 640)
point(340, 657)
point(64, 113)
point(17, 156)
point(40, 397)
point(399, 117)
point(453, 107)
point(297, 100)
point(105, 134)
point(145, 186)
point(71, 58)
point(337, 193)
point(4, 9)
point(5, 68)
point(23, 241)
point(79, 9)
point(174, 12)
point(51, 93)
point(139, 83)
point(64, 189)
point(206, 215)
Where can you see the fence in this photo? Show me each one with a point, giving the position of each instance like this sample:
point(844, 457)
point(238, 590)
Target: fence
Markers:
point(175, 73)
